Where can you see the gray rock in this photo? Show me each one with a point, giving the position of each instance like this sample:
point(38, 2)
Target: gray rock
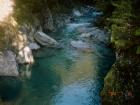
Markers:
point(45, 40)
point(8, 65)
point(77, 26)
point(76, 13)
point(25, 56)
point(80, 45)
point(34, 46)
point(81, 30)
point(85, 35)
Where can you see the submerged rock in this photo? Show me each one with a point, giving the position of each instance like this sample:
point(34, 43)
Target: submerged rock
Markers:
point(76, 13)
point(97, 35)
point(45, 40)
point(83, 46)
point(25, 56)
point(76, 26)
point(8, 65)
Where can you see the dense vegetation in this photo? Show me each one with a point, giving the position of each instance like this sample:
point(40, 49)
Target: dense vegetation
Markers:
point(122, 19)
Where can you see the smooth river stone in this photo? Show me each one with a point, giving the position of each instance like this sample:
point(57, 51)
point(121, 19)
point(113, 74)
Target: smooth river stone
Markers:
point(45, 40)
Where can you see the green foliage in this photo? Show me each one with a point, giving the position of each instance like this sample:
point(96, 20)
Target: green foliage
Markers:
point(138, 50)
point(8, 33)
point(123, 43)
point(122, 13)
point(118, 32)
point(120, 20)
point(111, 82)
point(123, 9)
point(137, 32)
point(26, 10)
point(2, 36)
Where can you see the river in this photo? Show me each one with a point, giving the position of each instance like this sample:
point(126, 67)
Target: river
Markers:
point(68, 75)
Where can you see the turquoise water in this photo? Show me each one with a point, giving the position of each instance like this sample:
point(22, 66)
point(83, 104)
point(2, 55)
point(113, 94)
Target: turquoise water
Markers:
point(65, 76)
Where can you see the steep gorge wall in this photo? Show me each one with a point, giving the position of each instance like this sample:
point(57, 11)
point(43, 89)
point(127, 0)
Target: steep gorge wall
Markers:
point(122, 82)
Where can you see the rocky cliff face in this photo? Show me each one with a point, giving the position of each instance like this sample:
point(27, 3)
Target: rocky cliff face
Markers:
point(122, 82)
point(21, 34)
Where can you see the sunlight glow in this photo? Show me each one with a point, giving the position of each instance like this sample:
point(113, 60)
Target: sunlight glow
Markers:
point(6, 9)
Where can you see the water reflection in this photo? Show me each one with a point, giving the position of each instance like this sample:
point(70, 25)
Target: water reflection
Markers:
point(25, 71)
point(41, 87)
point(66, 78)
point(10, 88)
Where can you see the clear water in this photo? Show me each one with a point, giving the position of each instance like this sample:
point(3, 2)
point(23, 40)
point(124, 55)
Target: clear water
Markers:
point(66, 76)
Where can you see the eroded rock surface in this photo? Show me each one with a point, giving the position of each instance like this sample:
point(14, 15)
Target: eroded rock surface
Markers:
point(80, 45)
point(8, 65)
point(25, 56)
point(45, 40)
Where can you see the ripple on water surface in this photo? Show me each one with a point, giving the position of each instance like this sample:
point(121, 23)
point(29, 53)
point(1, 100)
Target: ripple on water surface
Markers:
point(67, 76)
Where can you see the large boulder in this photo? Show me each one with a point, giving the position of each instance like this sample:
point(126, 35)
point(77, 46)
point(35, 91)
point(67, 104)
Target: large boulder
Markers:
point(25, 56)
point(45, 40)
point(8, 65)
